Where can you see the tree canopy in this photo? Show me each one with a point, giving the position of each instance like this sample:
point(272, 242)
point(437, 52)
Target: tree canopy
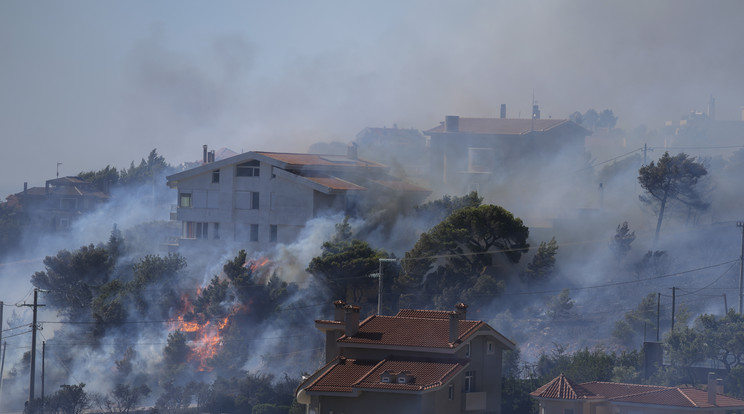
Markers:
point(672, 179)
point(455, 258)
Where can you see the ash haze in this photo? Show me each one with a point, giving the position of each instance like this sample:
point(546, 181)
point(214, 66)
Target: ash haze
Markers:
point(89, 84)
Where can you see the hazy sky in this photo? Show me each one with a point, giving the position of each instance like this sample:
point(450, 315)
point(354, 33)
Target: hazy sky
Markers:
point(94, 83)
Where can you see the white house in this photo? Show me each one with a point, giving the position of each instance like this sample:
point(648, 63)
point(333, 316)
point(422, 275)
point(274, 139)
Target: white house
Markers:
point(260, 198)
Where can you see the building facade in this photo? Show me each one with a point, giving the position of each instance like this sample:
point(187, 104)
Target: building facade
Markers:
point(261, 198)
point(479, 154)
point(59, 203)
point(418, 361)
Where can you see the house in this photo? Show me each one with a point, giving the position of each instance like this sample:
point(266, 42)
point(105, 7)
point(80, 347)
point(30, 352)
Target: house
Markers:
point(418, 361)
point(261, 198)
point(405, 149)
point(56, 205)
point(563, 396)
point(478, 154)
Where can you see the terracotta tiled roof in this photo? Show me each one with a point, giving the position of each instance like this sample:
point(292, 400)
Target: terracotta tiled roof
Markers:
point(419, 313)
point(336, 183)
point(409, 332)
point(300, 160)
point(347, 374)
point(503, 126)
point(563, 388)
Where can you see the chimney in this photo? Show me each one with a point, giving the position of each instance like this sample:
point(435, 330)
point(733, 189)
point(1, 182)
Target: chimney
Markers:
point(452, 123)
point(338, 313)
point(210, 156)
point(25, 186)
point(454, 327)
point(502, 115)
point(351, 151)
point(535, 112)
point(204, 156)
point(351, 319)
point(462, 311)
point(719, 385)
point(712, 388)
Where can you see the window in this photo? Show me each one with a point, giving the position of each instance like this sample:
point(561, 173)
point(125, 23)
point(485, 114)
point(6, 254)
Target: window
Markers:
point(194, 230)
point(469, 381)
point(248, 169)
point(184, 200)
point(216, 230)
point(254, 232)
point(451, 392)
point(216, 176)
point(491, 348)
point(402, 379)
point(201, 230)
point(467, 350)
point(386, 379)
point(247, 200)
point(272, 233)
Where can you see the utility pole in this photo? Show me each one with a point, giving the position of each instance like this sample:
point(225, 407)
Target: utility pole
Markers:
point(2, 367)
point(33, 345)
point(658, 314)
point(741, 266)
point(43, 363)
point(674, 299)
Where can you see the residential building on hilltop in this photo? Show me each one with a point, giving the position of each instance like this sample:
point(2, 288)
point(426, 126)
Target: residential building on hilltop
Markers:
point(418, 361)
point(404, 149)
point(477, 154)
point(261, 198)
point(563, 396)
point(56, 205)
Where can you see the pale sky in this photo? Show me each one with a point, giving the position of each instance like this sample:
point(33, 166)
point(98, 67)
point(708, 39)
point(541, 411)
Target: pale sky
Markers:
point(94, 83)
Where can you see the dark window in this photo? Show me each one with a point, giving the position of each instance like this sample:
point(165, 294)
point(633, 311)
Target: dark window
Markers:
point(254, 200)
point(469, 381)
point(216, 230)
point(254, 232)
point(248, 169)
point(451, 392)
point(216, 176)
point(272, 233)
point(202, 230)
point(184, 200)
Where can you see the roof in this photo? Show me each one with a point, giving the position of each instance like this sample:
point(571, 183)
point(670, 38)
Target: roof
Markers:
point(507, 126)
point(347, 375)
point(417, 332)
point(326, 160)
point(65, 186)
point(562, 388)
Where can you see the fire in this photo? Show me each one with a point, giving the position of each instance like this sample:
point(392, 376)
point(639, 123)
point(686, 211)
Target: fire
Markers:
point(205, 335)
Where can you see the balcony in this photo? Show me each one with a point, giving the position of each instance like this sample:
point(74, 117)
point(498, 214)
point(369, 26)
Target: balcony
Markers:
point(475, 401)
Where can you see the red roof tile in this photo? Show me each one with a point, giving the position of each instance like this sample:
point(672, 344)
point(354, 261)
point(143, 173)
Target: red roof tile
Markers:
point(563, 388)
point(319, 160)
point(420, 313)
point(346, 374)
point(413, 332)
point(336, 183)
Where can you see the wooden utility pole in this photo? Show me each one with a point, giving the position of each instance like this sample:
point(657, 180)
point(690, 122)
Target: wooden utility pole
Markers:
point(741, 266)
point(674, 299)
point(658, 314)
point(33, 346)
point(43, 363)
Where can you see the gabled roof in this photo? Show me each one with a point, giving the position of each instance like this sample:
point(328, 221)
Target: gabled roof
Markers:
point(345, 375)
point(417, 332)
point(562, 388)
point(290, 161)
point(507, 126)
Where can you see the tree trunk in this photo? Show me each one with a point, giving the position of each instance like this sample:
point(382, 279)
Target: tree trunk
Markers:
point(658, 222)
